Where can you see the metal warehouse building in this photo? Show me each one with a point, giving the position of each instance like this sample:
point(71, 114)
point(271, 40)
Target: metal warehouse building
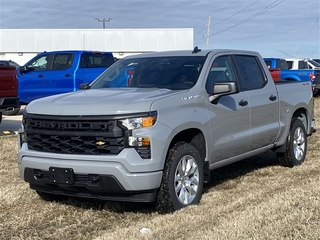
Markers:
point(20, 45)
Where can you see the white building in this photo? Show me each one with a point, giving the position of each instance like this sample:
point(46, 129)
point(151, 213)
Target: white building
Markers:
point(20, 45)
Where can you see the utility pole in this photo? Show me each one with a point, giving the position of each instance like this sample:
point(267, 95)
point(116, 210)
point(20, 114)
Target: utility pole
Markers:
point(104, 20)
point(208, 30)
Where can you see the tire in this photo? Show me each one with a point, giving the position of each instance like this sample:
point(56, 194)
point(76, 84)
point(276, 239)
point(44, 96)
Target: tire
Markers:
point(13, 112)
point(296, 147)
point(51, 197)
point(182, 180)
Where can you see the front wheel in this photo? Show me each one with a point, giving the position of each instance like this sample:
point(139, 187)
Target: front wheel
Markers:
point(182, 180)
point(296, 148)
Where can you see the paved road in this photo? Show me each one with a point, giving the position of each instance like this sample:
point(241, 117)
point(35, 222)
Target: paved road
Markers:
point(10, 124)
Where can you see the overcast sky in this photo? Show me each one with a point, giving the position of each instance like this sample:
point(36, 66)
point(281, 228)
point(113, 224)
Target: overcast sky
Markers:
point(275, 28)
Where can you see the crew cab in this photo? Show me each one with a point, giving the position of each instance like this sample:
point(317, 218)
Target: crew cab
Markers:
point(155, 137)
point(55, 72)
point(8, 89)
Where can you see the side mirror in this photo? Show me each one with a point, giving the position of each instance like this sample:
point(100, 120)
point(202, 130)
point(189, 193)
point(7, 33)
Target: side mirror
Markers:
point(24, 69)
point(221, 89)
point(84, 86)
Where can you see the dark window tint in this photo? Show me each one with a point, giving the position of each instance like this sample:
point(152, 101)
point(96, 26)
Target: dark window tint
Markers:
point(62, 61)
point(302, 65)
point(250, 71)
point(96, 60)
point(289, 64)
point(174, 73)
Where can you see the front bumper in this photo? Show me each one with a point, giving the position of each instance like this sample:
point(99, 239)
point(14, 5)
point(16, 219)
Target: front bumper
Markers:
point(94, 177)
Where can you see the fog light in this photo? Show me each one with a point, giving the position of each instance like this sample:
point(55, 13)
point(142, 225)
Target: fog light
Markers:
point(139, 142)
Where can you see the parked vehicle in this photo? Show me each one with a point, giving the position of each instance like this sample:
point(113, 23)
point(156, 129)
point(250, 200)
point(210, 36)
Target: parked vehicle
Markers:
point(312, 75)
point(9, 63)
point(317, 60)
point(51, 73)
point(302, 63)
point(8, 89)
point(157, 137)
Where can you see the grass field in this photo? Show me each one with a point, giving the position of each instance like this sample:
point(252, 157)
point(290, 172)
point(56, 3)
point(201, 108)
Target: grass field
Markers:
point(252, 199)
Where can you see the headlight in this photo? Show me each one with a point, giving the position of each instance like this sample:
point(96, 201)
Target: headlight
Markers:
point(136, 123)
point(140, 122)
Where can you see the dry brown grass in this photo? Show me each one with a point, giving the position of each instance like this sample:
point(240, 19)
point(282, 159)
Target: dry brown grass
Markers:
point(252, 199)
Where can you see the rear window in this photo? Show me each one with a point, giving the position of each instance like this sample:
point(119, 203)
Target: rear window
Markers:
point(96, 60)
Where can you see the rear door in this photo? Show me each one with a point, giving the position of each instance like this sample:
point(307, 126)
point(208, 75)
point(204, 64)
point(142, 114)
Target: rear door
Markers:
point(263, 101)
point(92, 64)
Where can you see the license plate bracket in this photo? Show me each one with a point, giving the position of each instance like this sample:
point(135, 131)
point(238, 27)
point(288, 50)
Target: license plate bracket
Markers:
point(61, 175)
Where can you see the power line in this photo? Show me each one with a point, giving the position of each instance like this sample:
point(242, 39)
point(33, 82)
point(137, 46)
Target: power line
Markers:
point(307, 36)
point(270, 6)
point(315, 49)
point(210, 14)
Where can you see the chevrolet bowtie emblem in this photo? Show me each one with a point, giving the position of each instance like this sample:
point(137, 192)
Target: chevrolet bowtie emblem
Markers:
point(100, 143)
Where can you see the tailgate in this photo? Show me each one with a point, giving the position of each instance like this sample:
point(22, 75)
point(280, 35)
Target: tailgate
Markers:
point(8, 81)
point(317, 77)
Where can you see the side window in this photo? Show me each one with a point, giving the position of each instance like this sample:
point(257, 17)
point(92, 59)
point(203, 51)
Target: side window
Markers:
point(221, 71)
point(250, 72)
point(96, 60)
point(290, 63)
point(302, 65)
point(62, 61)
point(39, 64)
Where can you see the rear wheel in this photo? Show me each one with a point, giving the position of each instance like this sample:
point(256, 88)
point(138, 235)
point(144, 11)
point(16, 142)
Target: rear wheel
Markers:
point(296, 148)
point(182, 180)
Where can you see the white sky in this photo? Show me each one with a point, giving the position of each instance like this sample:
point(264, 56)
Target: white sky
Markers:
point(275, 28)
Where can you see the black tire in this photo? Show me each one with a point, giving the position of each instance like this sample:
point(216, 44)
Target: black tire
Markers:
point(51, 197)
point(13, 112)
point(296, 148)
point(178, 191)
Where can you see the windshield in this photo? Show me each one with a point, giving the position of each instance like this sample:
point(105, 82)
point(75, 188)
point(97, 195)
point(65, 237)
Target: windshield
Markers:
point(314, 63)
point(154, 72)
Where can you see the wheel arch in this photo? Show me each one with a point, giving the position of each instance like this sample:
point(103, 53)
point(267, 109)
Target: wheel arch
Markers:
point(196, 138)
point(301, 114)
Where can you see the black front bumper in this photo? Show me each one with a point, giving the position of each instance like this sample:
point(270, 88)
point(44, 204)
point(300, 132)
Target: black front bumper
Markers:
point(104, 187)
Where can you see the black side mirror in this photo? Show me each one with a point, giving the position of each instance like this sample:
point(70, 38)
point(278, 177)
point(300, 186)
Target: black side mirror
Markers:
point(84, 86)
point(24, 69)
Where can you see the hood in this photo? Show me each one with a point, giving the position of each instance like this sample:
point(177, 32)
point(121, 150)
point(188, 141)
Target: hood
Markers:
point(99, 101)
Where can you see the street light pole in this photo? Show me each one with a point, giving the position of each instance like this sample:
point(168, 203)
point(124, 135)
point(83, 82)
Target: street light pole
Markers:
point(104, 20)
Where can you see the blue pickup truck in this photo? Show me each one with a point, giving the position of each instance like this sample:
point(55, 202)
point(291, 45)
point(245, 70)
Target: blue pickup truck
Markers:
point(312, 75)
point(56, 72)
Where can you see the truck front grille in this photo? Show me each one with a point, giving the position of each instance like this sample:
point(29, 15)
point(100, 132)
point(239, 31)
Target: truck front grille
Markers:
point(75, 134)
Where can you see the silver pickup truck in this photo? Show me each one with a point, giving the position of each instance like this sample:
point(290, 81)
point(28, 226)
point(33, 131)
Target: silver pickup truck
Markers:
point(153, 126)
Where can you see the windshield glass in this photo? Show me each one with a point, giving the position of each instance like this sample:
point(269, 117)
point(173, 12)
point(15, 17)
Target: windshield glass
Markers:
point(314, 63)
point(154, 72)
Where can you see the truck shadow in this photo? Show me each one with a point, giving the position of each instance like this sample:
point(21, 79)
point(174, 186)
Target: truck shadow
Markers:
point(218, 177)
point(241, 168)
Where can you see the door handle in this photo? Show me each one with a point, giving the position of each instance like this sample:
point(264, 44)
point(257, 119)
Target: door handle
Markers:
point(272, 98)
point(40, 75)
point(67, 75)
point(243, 103)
